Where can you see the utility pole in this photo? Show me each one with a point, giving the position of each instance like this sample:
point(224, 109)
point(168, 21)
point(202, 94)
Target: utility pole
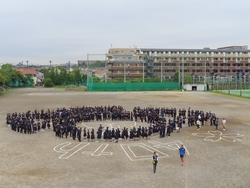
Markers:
point(182, 77)
point(143, 71)
point(161, 69)
point(124, 74)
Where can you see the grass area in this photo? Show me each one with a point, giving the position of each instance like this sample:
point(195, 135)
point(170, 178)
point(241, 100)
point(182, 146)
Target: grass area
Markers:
point(234, 93)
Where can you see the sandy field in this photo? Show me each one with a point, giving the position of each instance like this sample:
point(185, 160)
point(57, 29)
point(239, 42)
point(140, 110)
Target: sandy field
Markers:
point(214, 158)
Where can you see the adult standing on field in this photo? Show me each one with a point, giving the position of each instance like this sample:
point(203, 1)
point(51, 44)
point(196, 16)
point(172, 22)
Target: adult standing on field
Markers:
point(154, 161)
point(224, 124)
point(182, 153)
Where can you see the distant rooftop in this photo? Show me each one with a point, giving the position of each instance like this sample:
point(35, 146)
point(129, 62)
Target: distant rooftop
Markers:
point(206, 49)
point(234, 48)
point(27, 71)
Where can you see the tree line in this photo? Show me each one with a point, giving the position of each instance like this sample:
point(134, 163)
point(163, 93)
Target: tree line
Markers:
point(57, 76)
point(12, 77)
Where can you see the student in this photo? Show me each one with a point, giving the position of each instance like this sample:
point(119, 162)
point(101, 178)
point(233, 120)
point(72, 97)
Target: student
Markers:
point(92, 135)
point(88, 135)
point(224, 124)
point(216, 123)
point(182, 153)
point(198, 124)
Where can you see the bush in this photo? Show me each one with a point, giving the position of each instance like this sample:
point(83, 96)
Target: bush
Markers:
point(48, 83)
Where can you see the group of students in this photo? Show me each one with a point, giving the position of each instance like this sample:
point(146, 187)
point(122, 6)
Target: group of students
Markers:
point(64, 122)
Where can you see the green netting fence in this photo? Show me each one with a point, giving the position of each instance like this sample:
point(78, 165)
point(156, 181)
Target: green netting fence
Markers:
point(243, 93)
point(146, 86)
point(20, 84)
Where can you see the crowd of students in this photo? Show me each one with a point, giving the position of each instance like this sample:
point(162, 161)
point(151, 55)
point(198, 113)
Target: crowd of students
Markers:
point(65, 122)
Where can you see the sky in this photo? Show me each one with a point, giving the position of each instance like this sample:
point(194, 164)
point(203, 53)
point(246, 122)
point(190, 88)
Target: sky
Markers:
point(67, 30)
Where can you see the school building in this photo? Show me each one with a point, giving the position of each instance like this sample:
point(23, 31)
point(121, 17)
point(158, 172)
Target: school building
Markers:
point(163, 63)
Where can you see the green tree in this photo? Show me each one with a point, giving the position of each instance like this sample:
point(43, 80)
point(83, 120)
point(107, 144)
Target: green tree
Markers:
point(96, 79)
point(7, 72)
point(52, 74)
point(63, 75)
point(84, 77)
point(3, 79)
point(176, 76)
point(70, 78)
point(188, 79)
point(57, 80)
point(48, 82)
point(118, 80)
point(77, 76)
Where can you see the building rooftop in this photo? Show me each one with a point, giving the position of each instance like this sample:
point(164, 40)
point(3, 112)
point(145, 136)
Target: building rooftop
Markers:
point(31, 71)
point(206, 49)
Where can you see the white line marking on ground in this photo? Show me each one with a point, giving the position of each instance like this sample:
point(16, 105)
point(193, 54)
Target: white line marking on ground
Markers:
point(61, 149)
point(216, 136)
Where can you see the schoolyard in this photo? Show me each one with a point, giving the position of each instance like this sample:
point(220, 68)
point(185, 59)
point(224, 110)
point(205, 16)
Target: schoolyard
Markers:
point(214, 158)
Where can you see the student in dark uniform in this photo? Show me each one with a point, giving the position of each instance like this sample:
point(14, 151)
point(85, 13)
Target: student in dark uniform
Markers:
point(117, 135)
point(99, 133)
point(216, 123)
point(92, 135)
point(74, 133)
point(84, 133)
point(79, 134)
point(88, 135)
point(168, 130)
point(61, 131)
point(105, 134)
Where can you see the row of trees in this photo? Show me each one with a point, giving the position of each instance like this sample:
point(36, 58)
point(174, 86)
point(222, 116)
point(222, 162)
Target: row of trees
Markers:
point(56, 76)
point(10, 76)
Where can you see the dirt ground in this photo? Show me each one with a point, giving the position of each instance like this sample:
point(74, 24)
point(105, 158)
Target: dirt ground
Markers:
point(214, 158)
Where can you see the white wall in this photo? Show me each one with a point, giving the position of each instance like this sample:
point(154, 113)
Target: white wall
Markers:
point(200, 87)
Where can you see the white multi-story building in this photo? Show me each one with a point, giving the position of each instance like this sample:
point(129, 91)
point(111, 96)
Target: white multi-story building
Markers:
point(152, 62)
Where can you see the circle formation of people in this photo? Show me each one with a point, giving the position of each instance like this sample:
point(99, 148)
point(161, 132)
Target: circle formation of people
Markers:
point(65, 122)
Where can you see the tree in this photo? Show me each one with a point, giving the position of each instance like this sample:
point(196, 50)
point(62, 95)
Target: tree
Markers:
point(52, 74)
point(84, 77)
point(63, 76)
point(57, 80)
point(188, 79)
point(20, 78)
point(48, 82)
point(176, 76)
point(118, 80)
point(70, 78)
point(77, 76)
point(96, 79)
point(3, 79)
point(7, 72)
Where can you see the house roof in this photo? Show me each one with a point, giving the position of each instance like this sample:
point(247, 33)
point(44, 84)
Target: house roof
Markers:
point(31, 71)
point(100, 71)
